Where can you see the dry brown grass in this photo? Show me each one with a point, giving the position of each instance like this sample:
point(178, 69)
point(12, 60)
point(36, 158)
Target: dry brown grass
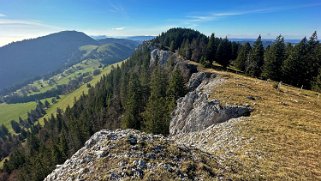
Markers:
point(285, 124)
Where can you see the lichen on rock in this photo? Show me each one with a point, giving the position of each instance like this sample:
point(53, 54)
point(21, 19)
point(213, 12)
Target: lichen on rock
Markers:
point(133, 155)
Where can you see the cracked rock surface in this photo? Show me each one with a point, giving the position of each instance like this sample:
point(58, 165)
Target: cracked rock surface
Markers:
point(196, 112)
point(133, 155)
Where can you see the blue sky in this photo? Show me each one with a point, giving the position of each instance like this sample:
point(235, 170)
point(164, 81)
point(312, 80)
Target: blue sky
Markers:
point(20, 19)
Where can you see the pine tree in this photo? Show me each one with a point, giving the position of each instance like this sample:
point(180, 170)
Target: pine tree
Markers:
point(15, 126)
point(274, 58)
point(131, 117)
point(176, 89)
point(313, 57)
point(156, 116)
point(256, 59)
point(235, 49)
point(211, 49)
point(3, 131)
point(242, 57)
point(294, 67)
point(223, 53)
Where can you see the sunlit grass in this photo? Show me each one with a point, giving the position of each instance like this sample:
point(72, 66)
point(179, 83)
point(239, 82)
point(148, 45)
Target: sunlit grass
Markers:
point(285, 124)
point(10, 112)
point(69, 99)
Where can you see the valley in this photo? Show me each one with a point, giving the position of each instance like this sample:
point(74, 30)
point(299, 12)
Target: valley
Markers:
point(182, 106)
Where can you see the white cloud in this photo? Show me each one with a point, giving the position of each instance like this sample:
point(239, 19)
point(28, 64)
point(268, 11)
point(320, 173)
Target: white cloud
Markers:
point(118, 28)
point(193, 20)
point(2, 15)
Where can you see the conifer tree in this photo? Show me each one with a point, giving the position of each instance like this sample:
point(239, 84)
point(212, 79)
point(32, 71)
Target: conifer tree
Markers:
point(156, 116)
point(294, 67)
point(211, 49)
point(131, 117)
point(274, 57)
point(242, 57)
point(176, 89)
point(256, 59)
point(223, 53)
point(313, 57)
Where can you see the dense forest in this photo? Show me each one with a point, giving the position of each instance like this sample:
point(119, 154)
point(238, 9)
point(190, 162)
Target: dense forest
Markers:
point(298, 65)
point(141, 96)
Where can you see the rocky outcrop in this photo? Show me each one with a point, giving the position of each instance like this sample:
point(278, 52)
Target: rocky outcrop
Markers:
point(160, 57)
point(196, 112)
point(163, 57)
point(132, 155)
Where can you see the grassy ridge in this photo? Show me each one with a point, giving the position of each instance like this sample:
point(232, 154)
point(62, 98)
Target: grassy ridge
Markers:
point(283, 131)
point(68, 100)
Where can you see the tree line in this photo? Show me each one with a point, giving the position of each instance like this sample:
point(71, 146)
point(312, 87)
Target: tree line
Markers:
point(295, 64)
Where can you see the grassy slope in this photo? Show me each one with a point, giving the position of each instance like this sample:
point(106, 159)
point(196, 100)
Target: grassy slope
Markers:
point(63, 78)
point(285, 126)
point(10, 112)
point(69, 98)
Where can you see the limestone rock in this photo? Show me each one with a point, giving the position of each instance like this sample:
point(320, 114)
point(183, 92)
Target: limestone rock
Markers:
point(159, 57)
point(196, 112)
point(111, 155)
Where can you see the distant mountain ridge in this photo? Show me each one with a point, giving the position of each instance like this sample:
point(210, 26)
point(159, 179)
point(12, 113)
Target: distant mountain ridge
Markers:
point(24, 60)
point(134, 38)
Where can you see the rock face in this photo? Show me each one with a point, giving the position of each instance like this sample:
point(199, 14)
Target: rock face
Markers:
point(132, 155)
point(196, 112)
point(159, 57)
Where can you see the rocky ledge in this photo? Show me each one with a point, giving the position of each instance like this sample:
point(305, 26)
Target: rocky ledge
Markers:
point(196, 111)
point(133, 155)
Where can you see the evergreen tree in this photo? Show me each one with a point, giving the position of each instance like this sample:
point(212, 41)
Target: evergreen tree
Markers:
point(274, 58)
point(205, 62)
point(242, 57)
point(294, 67)
point(256, 59)
point(156, 116)
point(3, 131)
point(235, 49)
point(175, 90)
point(223, 53)
point(211, 49)
point(313, 58)
point(15, 126)
point(131, 117)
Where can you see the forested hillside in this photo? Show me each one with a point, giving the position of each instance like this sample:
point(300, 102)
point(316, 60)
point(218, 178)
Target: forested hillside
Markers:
point(298, 65)
point(142, 92)
point(30, 59)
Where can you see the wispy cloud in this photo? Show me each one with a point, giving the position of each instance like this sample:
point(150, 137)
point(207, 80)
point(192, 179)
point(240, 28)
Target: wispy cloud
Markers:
point(213, 16)
point(118, 28)
point(19, 29)
point(21, 22)
point(116, 8)
point(2, 15)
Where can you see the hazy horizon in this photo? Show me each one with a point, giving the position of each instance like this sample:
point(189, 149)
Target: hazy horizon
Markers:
point(238, 19)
